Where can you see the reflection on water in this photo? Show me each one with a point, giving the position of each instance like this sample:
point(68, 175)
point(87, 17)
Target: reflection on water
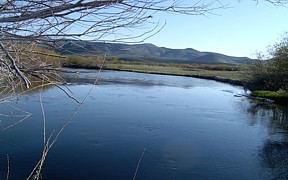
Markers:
point(274, 153)
point(275, 157)
point(190, 128)
point(275, 149)
point(130, 78)
point(274, 116)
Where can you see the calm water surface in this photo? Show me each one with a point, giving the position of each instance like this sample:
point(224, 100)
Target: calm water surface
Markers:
point(186, 128)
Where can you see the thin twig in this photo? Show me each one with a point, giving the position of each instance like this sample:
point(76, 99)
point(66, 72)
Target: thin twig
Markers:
point(16, 123)
point(67, 93)
point(24, 117)
point(79, 106)
point(8, 167)
point(45, 151)
point(43, 115)
point(38, 168)
point(139, 162)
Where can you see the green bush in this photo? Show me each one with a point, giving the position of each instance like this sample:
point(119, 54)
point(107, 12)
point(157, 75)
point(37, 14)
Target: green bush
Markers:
point(271, 74)
point(81, 62)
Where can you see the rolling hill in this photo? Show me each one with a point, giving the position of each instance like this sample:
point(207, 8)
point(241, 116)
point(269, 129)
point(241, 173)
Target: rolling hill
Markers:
point(149, 53)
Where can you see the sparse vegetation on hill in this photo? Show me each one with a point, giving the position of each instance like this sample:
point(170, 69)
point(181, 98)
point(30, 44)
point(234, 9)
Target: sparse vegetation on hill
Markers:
point(151, 53)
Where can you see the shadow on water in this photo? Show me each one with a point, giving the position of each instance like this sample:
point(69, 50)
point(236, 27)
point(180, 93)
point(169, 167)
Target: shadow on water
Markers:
point(274, 153)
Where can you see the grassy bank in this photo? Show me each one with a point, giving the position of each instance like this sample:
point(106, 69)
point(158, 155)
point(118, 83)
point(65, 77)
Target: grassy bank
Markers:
point(224, 73)
point(220, 72)
point(279, 96)
point(233, 74)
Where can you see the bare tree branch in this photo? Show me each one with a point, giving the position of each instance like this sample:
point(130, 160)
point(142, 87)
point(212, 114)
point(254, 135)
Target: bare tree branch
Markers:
point(27, 24)
point(14, 66)
point(52, 11)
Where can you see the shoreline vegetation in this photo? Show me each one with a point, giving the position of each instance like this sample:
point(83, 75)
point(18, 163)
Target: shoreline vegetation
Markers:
point(279, 97)
point(210, 72)
point(231, 74)
point(266, 76)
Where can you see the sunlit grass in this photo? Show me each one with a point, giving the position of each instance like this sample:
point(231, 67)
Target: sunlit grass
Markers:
point(224, 72)
point(279, 96)
point(221, 72)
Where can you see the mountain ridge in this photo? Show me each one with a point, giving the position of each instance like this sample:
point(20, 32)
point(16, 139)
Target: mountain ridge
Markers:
point(147, 52)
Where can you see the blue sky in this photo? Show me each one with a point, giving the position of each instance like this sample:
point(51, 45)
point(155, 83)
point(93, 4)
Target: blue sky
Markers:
point(241, 30)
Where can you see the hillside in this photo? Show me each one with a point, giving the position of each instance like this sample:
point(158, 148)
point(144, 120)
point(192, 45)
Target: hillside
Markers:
point(150, 53)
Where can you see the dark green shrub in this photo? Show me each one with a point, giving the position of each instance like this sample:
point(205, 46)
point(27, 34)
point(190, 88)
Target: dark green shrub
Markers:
point(271, 74)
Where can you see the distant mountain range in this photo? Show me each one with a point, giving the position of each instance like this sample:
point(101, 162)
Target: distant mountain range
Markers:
point(150, 53)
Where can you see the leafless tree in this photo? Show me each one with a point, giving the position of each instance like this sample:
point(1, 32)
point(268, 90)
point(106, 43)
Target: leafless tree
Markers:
point(28, 24)
point(24, 24)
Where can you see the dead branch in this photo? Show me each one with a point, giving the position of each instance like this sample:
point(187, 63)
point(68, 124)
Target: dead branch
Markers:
point(52, 11)
point(8, 167)
point(14, 66)
point(138, 164)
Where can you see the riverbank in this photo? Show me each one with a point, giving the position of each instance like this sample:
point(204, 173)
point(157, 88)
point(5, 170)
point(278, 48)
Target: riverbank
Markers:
point(278, 97)
point(208, 77)
point(226, 75)
point(223, 73)
point(231, 74)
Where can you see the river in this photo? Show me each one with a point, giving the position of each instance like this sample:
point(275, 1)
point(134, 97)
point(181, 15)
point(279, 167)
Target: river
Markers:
point(147, 126)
